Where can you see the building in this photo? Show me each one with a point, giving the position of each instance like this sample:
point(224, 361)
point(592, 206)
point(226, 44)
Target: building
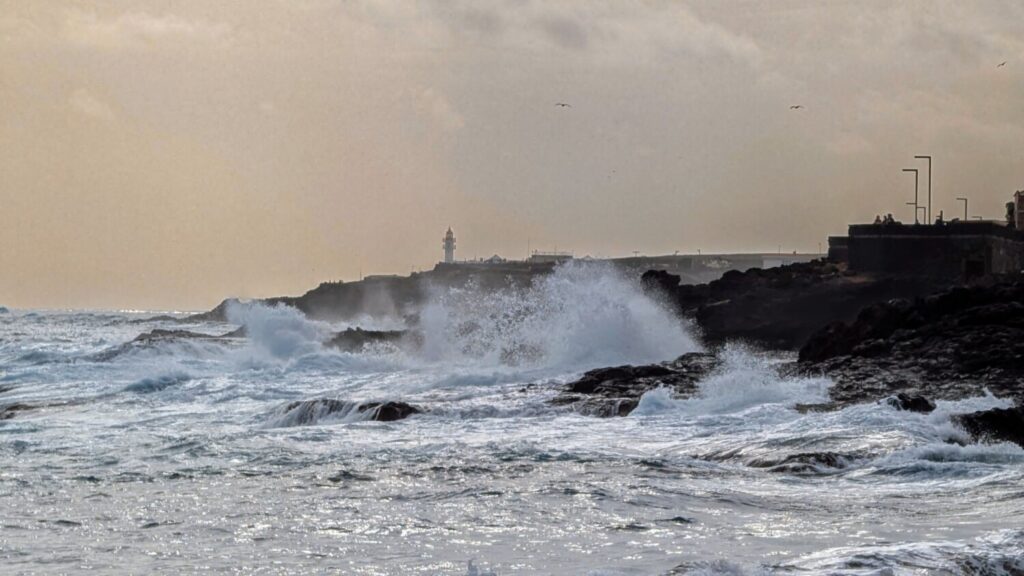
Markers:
point(539, 257)
point(1018, 210)
point(957, 249)
point(448, 243)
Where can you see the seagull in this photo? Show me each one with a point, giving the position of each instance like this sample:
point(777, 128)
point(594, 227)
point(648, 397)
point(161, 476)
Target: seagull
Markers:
point(796, 107)
point(563, 105)
point(1001, 64)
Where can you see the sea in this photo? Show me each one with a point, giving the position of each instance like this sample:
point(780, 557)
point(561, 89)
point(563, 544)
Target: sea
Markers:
point(178, 455)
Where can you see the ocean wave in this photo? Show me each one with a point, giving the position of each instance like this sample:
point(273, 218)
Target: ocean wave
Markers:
point(746, 380)
point(994, 554)
point(158, 383)
point(577, 317)
point(330, 411)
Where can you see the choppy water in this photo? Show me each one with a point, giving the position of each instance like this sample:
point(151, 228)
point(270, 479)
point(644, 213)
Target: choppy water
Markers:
point(175, 458)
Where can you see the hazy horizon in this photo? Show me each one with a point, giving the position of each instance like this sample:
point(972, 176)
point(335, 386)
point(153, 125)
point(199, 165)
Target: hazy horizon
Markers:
point(159, 156)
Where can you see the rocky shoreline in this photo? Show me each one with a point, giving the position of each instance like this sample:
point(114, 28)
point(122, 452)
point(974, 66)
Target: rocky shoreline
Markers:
point(902, 340)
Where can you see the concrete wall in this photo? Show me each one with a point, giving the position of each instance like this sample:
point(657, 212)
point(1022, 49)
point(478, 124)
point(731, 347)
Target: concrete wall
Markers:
point(964, 250)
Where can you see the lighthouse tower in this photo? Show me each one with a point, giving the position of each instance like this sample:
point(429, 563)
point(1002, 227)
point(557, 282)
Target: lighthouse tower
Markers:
point(449, 246)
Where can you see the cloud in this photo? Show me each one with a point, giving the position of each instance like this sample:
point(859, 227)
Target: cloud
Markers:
point(565, 32)
point(86, 103)
point(138, 28)
point(438, 108)
point(600, 32)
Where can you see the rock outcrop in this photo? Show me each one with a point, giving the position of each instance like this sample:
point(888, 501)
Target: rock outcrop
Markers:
point(950, 345)
point(160, 336)
point(996, 425)
point(11, 410)
point(357, 339)
point(617, 391)
point(780, 308)
point(392, 296)
point(306, 412)
point(915, 403)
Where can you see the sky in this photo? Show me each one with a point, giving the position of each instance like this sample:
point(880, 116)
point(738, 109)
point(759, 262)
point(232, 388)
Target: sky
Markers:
point(166, 155)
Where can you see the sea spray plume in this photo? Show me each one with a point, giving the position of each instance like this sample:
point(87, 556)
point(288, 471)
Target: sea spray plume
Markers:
point(580, 316)
point(280, 331)
point(747, 379)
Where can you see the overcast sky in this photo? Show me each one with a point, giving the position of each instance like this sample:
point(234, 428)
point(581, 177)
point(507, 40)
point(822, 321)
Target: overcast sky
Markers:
point(164, 155)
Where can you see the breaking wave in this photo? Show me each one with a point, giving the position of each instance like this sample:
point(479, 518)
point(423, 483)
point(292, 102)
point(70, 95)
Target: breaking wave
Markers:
point(579, 316)
point(747, 379)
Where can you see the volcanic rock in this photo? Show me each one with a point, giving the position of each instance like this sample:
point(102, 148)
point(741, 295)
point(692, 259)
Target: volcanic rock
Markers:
point(995, 425)
point(153, 338)
point(950, 345)
point(782, 307)
point(310, 411)
point(11, 410)
point(356, 339)
point(910, 403)
point(616, 391)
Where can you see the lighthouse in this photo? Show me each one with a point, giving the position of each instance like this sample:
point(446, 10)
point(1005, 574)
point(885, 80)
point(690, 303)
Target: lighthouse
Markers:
point(449, 246)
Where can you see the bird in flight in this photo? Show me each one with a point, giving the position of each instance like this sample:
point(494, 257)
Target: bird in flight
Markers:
point(1001, 64)
point(796, 107)
point(563, 105)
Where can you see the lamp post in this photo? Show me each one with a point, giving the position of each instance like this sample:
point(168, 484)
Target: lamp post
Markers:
point(916, 204)
point(928, 220)
point(916, 208)
point(964, 200)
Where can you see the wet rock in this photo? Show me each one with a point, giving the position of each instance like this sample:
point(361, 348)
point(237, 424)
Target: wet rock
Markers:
point(659, 283)
point(242, 332)
point(995, 425)
point(11, 410)
point(616, 391)
point(154, 338)
point(804, 462)
point(158, 318)
point(950, 345)
point(393, 296)
point(915, 403)
point(357, 339)
point(307, 412)
point(389, 411)
point(160, 334)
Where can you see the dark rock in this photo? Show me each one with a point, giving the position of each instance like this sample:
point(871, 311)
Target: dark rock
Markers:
point(783, 307)
point(11, 410)
point(356, 339)
point(804, 462)
point(154, 338)
point(911, 403)
point(949, 345)
point(616, 391)
point(159, 318)
point(160, 334)
point(389, 411)
point(995, 425)
point(659, 283)
point(306, 412)
point(242, 332)
point(394, 296)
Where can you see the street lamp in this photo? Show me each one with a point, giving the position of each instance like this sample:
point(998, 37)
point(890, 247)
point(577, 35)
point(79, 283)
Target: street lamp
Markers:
point(916, 209)
point(916, 204)
point(929, 159)
point(964, 200)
